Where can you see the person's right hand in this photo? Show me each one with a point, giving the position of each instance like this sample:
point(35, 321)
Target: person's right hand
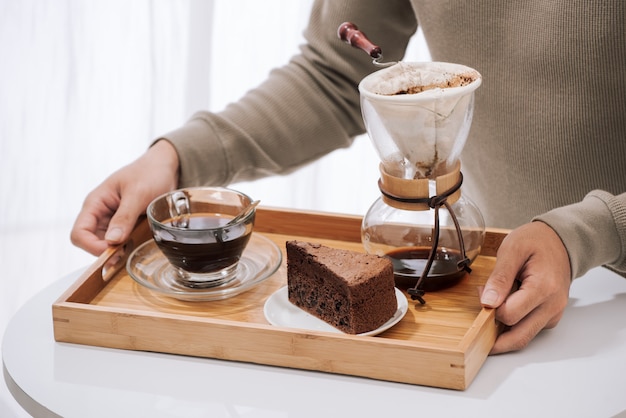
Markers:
point(110, 211)
point(534, 255)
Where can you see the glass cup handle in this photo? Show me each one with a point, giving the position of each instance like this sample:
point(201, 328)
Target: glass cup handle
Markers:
point(179, 209)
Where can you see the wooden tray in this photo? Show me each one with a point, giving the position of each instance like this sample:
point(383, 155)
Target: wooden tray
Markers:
point(443, 343)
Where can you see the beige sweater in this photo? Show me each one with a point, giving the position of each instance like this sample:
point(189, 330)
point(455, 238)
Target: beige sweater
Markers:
point(548, 140)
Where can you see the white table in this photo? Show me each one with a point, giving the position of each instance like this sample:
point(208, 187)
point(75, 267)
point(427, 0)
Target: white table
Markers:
point(575, 370)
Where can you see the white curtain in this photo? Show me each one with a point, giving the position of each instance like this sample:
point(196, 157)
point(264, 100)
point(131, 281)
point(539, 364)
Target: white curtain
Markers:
point(84, 86)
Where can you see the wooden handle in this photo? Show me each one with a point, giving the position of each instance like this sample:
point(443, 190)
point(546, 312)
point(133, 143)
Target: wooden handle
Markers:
point(349, 33)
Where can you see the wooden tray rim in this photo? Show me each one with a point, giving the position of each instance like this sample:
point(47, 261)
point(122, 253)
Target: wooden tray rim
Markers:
point(281, 221)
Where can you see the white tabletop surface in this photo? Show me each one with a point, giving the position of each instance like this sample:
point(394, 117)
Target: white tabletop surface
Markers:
point(575, 370)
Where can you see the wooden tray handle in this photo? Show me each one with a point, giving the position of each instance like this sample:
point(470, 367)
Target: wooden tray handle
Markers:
point(108, 264)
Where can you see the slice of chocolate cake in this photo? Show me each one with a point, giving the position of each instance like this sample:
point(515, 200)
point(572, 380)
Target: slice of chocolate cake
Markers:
point(352, 291)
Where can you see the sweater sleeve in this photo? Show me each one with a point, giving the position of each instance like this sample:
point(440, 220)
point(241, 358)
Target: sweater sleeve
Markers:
point(304, 110)
point(593, 231)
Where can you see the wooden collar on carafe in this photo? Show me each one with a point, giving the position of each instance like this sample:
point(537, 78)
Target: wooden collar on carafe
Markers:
point(413, 194)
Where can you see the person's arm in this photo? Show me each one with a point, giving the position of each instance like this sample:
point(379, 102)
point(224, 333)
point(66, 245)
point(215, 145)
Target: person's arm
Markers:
point(593, 231)
point(544, 256)
point(304, 110)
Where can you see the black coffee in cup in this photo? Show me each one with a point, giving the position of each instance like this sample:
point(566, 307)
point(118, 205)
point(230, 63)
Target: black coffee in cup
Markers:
point(208, 250)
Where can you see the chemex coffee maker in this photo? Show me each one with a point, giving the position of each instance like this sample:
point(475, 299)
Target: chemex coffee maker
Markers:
point(418, 116)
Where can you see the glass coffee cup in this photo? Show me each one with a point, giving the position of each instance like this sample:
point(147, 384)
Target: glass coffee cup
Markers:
point(196, 229)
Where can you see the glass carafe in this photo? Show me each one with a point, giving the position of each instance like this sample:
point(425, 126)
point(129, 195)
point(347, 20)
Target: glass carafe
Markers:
point(418, 116)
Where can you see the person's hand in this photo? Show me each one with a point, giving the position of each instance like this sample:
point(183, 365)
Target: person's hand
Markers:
point(110, 211)
point(535, 257)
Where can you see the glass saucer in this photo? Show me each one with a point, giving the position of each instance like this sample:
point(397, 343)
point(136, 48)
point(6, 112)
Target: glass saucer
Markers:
point(150, 268)
point(280, 312)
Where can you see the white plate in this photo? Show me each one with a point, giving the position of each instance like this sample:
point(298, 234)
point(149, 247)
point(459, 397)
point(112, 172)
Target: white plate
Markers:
point(280, 312)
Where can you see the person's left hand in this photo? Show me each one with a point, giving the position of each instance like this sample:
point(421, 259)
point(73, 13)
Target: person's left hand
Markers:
point(535, 256)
